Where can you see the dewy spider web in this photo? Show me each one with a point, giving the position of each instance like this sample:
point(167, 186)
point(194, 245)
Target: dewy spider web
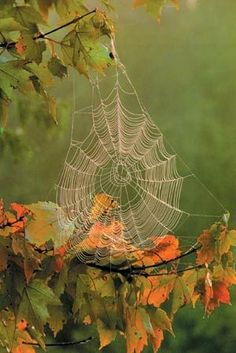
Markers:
point(123, 156)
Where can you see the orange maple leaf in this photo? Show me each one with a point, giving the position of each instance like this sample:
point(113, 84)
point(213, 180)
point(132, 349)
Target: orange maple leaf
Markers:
point(206, 253)
point(136, 335)
point(158, 291)
point(164, 249)
point(157, 338)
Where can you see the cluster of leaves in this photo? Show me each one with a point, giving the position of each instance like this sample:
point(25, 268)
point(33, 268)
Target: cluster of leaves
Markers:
point(41, 286)
point(32, 55)
point(31, 59)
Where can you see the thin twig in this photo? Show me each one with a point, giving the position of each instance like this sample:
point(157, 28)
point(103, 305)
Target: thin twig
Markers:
point(165, 262)
point(9, 45)
point(76, 19)
point(60, 344)
point(145, 274)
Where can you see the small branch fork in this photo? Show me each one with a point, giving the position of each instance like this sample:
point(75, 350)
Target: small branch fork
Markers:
point(140, 270)
point(9, 45)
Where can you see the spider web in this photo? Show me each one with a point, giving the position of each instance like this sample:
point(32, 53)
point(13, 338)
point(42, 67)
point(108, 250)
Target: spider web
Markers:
point(124, 157)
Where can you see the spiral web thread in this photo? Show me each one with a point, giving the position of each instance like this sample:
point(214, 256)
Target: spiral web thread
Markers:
point(122, 156)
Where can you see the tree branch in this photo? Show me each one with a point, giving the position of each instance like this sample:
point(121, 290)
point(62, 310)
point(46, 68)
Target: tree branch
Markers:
point(61, 344)
point(137, 270)
point(76, 19)
point(190, 251)
point(145, 274)
point(10, 45)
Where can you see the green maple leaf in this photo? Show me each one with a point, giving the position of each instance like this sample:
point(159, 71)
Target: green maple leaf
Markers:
point(57, 68)
point(26, 16)
point(13, 75)
point(181, 295)
point(57, 319)
point(70, 8)
point(10, 24)
point(36, 298)
point(33, 49)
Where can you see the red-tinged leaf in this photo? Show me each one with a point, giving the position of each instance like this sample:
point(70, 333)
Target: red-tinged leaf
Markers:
point(61, 250)
point(18, 226)
point(59, 263)
point(221, 292)
point(20, 210)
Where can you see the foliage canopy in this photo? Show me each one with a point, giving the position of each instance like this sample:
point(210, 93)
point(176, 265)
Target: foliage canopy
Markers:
point(46, 285)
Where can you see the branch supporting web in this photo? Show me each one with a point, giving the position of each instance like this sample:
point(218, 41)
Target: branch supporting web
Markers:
point(119, 183)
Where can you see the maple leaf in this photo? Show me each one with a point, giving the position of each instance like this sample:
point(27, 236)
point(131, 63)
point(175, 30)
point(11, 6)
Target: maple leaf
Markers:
point(207, 251)
point(33, 308)
point(156, 290)
point(226, 240)
point(181, 295)
point(57, 318)
point(136, 335)
point(218, 293)
point(20, 210)
point(225, 274)
point(44, 224)
point(164, 249)
point(160, 322)
point(106, 335)
point(11, 337)
point(31, 259)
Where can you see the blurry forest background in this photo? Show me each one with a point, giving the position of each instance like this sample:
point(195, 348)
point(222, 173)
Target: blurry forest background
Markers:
point(184, 70)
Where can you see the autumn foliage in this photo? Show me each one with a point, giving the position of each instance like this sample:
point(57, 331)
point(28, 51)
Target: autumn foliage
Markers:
point(41, 285)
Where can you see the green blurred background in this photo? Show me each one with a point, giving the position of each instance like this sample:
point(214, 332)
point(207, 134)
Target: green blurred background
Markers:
point(184, 69)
